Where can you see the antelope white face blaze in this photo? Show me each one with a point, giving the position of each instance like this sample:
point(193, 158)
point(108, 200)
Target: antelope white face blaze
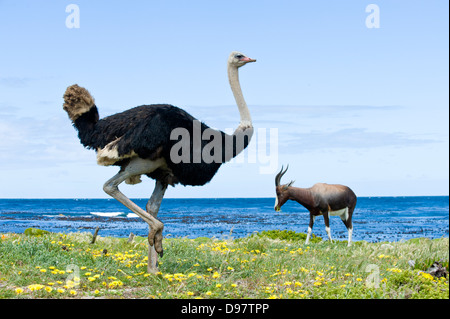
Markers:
point(276, 202)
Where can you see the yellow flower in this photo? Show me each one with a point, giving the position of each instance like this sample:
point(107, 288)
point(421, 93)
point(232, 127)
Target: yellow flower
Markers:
point(427, 276)
point(35, 287)
point(317, 283)
point(43, 270)
point(208, 293)
point(219, 285)
point(60, 290)
point(216, 275)
point(96, 291)
point(342, 286)
point(48, 289)
point(19, 290)
point(230, 268)
point(233, 285)
point(114, 284)
point(190, 293)
point(394, 270)
point(358, 279)
point(73, 292)
point(91, 278)
point(87, 273)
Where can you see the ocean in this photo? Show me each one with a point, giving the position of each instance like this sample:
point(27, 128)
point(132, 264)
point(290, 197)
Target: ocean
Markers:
point(375, 218)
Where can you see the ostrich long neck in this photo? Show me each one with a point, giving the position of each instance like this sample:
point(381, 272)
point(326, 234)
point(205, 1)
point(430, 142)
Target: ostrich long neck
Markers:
point(244, 132)
point(233, 77)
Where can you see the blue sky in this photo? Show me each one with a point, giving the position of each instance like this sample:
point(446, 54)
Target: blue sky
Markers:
point(364, 107)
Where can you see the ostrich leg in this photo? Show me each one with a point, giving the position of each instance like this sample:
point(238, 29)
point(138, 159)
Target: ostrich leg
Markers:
point(152, 208)
point(137, 166)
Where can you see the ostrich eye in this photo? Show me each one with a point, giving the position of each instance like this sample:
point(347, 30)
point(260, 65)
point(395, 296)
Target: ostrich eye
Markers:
point(238, 56)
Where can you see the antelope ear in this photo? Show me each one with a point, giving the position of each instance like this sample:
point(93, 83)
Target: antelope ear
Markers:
point(290, 183)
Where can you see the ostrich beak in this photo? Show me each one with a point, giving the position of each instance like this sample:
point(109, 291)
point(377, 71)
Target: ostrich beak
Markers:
point(247, 59)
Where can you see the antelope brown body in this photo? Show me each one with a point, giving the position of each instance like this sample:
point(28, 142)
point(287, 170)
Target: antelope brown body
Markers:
point(320, 199)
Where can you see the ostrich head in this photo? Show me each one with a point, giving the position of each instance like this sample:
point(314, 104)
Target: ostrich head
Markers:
point(281, 190)
point(239, 59)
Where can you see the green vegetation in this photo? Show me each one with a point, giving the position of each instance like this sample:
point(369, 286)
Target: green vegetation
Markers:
point(270, 264)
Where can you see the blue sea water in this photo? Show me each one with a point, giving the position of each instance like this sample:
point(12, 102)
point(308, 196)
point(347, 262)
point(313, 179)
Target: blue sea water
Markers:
point(375, 218)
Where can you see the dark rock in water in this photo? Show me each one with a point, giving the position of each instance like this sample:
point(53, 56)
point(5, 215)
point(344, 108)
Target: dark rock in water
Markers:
point(437, 270)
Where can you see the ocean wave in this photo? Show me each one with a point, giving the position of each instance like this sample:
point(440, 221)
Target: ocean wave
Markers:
point(109, 214)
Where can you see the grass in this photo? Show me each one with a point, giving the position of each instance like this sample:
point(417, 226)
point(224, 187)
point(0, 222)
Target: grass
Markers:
point(274, 264)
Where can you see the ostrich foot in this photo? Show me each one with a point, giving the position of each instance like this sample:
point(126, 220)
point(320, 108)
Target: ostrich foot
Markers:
point(155, 238)
point(154, 248)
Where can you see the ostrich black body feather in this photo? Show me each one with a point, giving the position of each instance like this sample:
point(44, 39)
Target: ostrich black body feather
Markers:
point(146, 130)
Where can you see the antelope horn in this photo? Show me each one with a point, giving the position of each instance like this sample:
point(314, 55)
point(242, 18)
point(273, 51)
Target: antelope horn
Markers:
point(279, 175)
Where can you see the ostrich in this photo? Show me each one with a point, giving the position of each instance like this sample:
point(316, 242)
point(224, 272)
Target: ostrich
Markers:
point(320, 199)
point(141, 141)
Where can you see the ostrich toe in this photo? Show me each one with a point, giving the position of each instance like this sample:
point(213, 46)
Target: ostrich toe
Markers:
point(155, 237)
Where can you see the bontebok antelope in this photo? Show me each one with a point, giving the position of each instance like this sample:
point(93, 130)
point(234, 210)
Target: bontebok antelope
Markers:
point(320, 199)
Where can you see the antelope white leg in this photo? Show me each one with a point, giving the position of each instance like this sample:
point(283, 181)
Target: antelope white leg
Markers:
point(327, 229)
point(350, 231)
point(307, 235)
point(310, 230)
